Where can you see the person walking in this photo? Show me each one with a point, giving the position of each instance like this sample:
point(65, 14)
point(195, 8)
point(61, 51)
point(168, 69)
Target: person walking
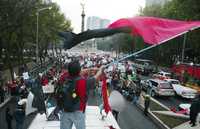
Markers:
point(136, 97)
point(19, 113)
point(9, 118)
point(146, 104)
point(76, 115)
point(194, 110)
point(2, 94)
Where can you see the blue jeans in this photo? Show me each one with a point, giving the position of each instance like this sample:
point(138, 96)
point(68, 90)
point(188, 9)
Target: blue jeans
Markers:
point(19, 125)
point(135, 99)
point(77, 118)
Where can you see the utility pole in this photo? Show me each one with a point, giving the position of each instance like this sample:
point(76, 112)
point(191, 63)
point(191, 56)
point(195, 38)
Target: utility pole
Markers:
point(183, 49)
point(37, 31)
point(37, 45)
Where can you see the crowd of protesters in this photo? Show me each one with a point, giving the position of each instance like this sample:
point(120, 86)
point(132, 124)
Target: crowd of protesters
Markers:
point(120, 76)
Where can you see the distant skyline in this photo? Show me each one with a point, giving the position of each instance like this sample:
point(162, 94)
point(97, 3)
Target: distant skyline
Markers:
point(105, 9)
point(95, 22)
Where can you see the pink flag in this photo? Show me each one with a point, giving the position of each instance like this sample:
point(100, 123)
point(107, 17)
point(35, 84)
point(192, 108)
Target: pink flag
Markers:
point(155, 30)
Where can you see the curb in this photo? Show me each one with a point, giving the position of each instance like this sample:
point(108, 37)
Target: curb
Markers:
point(155, 119)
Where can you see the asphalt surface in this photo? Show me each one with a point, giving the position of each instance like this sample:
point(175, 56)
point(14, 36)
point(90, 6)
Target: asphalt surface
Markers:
point(131, 118)
point(174, 101)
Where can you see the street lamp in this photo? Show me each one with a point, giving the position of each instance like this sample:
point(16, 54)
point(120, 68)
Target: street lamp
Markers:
point(37, 45)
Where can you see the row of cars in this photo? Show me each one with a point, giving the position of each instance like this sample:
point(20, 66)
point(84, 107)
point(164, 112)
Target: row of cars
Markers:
point(163, 85)
point(160, 83)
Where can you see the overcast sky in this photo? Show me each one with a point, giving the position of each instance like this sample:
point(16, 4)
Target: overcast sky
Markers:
point(108, 9)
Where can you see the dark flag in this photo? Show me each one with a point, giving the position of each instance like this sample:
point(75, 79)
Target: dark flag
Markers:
point(72, 39)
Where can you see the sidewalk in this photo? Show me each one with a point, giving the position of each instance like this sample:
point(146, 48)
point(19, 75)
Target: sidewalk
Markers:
point(186, 125)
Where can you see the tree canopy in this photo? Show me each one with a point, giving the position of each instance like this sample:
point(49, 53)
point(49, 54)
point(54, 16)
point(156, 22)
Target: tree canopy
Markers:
point(18, 21)
point(166, 53)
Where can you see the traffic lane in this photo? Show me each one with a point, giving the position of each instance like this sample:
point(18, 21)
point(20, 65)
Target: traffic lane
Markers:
point(133, 118)
point(173, 101)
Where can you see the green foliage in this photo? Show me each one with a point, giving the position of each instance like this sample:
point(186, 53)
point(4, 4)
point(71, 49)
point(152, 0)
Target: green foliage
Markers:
point(170, 121)
point(179, 10)
point(119, 43)
point(174, 9)
point(18, 28)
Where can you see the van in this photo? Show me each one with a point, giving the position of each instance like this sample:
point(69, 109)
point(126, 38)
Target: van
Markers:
point(160, 88)
point(144, 66)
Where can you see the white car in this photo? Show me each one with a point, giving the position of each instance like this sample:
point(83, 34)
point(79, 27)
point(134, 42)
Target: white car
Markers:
point(182, 91)
point(162, 75)
point(158, 87)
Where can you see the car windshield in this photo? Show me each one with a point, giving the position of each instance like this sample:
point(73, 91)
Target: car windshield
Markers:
point(175, 82)
point(167, 75)
point(165, 86)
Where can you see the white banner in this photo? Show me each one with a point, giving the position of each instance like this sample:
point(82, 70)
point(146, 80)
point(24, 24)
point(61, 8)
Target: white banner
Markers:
point(48, 88)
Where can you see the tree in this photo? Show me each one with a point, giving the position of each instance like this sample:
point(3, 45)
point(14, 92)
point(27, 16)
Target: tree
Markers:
point(18, 28)
point(179, 10)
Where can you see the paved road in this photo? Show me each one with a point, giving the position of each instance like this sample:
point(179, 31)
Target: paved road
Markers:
point(174, 101)
point(131, 118)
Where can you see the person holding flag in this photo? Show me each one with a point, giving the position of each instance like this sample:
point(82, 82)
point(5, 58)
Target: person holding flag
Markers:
point(75, 97)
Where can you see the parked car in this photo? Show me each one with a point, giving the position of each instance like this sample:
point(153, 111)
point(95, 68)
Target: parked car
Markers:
point(181, 90)
point(158, 87)
point(162, 75)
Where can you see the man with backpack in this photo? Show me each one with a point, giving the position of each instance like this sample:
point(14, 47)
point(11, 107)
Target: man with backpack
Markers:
point(74, 96)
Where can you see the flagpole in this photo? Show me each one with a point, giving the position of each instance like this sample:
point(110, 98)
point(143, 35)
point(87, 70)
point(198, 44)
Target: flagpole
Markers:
point(133, 54)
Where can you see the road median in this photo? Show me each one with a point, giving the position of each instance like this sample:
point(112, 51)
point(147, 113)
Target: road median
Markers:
point(162, 115)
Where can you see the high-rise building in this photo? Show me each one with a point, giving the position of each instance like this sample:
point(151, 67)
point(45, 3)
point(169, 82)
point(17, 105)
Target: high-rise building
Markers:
point(94, 22)
point(104, 23)
point(97, 23)
point(155, 2)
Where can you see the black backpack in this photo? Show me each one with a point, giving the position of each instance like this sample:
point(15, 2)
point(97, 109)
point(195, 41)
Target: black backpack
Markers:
point(67, 98)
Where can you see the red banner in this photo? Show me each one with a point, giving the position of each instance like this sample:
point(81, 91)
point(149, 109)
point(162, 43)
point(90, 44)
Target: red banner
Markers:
point(191, 70)
point(155, 30)
point(106, 105)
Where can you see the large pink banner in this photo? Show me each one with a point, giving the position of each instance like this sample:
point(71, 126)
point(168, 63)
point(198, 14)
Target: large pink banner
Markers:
point(156, 30)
